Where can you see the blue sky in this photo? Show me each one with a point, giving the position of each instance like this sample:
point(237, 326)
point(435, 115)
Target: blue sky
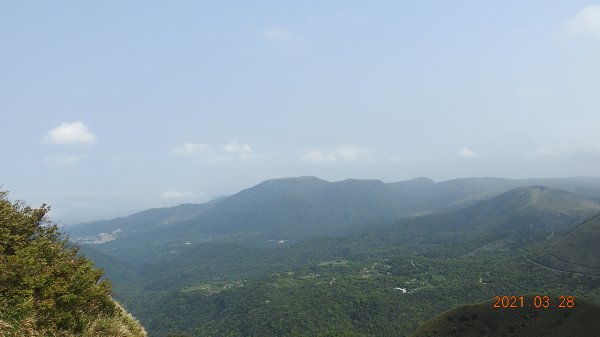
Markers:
point(114, 106)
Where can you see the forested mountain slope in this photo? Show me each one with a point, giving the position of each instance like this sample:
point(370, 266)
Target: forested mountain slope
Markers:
point(514, 218)
point(147, 220)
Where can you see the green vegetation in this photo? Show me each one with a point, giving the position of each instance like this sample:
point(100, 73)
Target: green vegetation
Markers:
point(46, 288)
point(364, 298)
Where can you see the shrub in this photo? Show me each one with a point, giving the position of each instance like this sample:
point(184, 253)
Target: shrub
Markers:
point(44, 284)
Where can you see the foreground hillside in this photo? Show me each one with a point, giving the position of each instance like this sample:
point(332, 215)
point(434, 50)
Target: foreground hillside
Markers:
point(46, 288)
point(483, 320)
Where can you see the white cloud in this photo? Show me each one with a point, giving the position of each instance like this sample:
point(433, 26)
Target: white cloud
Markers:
point(332, 155)
point(57, 161)
point(465, 152)
point(233, 150)
point(350, 153)
point(176, 195)
point(70, 133)
point(278, 35)
point(191, 149)
point(587, 21)
point(236, 148)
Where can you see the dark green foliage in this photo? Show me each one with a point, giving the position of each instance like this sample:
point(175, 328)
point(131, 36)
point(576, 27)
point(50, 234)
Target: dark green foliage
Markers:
point(354, 298)
point(41, 276)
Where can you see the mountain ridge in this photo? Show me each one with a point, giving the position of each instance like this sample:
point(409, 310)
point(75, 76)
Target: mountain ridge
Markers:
point(462, 192)
point(294, 209)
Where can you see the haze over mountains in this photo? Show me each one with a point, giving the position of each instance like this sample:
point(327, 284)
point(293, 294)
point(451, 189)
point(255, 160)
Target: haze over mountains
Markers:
point(300, 208)
point(283, 212)
point(517, 217)
point(288, 241)
point(521, 208)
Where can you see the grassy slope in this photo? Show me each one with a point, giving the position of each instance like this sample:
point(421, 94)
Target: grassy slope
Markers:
point(46, 287)
point(120, 324)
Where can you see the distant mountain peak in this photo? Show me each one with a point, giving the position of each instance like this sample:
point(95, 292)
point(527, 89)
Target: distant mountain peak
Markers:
point(528, 208)
point(421, 180)
point(293, 179)
point(354, 180)
point(534, 188)
point(553, 200)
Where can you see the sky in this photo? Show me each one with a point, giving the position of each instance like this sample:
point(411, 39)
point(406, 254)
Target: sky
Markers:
point(110, 107)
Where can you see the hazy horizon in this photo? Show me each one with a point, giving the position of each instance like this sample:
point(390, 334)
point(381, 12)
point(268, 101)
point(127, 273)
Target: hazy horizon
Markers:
point(115, 107)
point(126, 212)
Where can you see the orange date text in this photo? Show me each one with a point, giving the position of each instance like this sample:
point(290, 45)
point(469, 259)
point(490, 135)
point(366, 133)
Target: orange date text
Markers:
point(537, 302)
